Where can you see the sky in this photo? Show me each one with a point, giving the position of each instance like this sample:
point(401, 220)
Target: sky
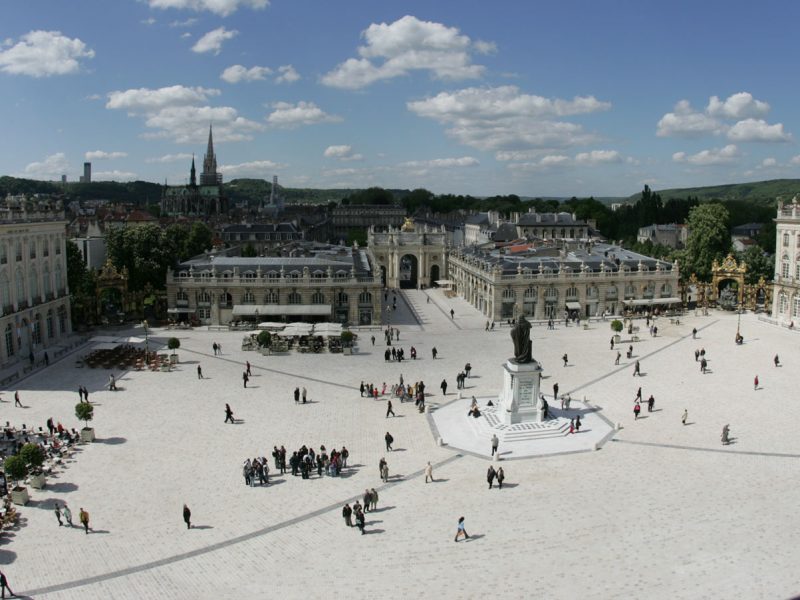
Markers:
point(456, 96)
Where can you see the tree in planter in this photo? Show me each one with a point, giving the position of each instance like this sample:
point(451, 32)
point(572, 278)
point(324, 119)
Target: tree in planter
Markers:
point(173, 344)
point(16, 469)
point(33, 455)
point(264, 339)
point(347, 339)
point(616, 326)
point(85, 412)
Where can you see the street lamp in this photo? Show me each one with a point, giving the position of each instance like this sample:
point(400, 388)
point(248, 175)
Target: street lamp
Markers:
point(146, 341)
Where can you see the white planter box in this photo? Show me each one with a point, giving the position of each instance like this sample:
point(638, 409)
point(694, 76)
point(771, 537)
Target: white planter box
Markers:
point(87, 434)
point(19, 496)
point(37, 481)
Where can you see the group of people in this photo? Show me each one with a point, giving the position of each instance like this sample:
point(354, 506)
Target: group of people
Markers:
point(397, 354)
point(356, 511)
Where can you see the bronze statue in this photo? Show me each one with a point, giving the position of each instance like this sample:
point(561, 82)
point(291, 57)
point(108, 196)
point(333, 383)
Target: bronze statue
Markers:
point(521, 334)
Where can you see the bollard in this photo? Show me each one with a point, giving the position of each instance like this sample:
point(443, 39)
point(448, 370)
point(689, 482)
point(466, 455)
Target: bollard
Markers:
point(496, 457)
point(439, 441)
point(619, 426)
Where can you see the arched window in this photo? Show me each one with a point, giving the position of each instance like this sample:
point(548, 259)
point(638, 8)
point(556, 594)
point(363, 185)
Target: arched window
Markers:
point(551, 294)
point(22, 297)
point(572, 293)
point(59, 280)
point(4, 256)
point(295, 298)
point(204, 298)
point(271, 297)
point(9, 337)
point(592, 292)
point(784, 266)
point(50, 329)
point(666, 290)
point(318, 298)
point(530, 294)
point(341, 298)
point(182, 296)
point(611, 293)
point(33, 280)
point(46, 288)
point(5, 293)
point(248, 298)
point(365, 298)
point(509, 294)
point(783, 303)
point(649, 290)
point(630, 291)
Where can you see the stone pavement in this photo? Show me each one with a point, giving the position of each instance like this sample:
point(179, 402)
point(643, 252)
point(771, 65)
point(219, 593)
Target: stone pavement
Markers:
point(663, 511)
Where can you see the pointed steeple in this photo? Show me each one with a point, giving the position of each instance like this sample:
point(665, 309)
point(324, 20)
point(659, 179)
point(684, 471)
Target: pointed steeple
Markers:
point(209, 176)
point(210, 149)
point(193, 174)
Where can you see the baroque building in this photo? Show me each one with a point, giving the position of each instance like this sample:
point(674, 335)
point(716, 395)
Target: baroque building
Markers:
point(34, 298)
point(311, 282)
point(786, 292)
point(195, 200)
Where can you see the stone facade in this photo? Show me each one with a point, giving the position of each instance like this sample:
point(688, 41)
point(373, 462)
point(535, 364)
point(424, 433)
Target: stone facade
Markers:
point(318, 283)
point(363, 216)
point(544, 283)
point(34, 298)
point(786, 292)
point(414, 256)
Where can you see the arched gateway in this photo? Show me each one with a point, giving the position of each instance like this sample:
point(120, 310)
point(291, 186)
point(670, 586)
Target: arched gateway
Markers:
point(410, 256)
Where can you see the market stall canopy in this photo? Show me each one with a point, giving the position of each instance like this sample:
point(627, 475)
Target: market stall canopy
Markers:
point(295, 329)
point(328, 329)
point(574, 305)
point(271, 325)
point(281, 309)
point(650, 301)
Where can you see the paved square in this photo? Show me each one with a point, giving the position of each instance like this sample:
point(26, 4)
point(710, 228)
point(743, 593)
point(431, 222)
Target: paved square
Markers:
point(662, 511)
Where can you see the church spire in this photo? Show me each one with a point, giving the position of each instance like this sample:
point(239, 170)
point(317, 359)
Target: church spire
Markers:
point(193, 174)
point(209, 176)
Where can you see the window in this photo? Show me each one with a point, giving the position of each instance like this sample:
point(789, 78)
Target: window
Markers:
point(649, 290)
point(182, 296)
point(58, 246)
point(318, 298)
point(572, 293)
point(273, 275)
point(50, 330)
point(294, 298)
point(271, 297)
point(46, 289)
point(32, 247)
point(36, 332)
point(248, 298)
point(62, 320)
point(225, 300)
point(22, 297)
point(294, 275)
point(796, 307)
point(785, 239)
point(342, 274)
point(365, 298)
point(551, 294)
point(509, 294)
point(592, 292)
point(630, 292)
point(19, 250)
point(797, 271)
point(341, 298)
point(203, 313)
point(34, 285)
point(611, 293)
point(666, 290)
point(785, 268)
point(4, 256)
point(46, 248)
point(9, 340)
point(59, 280)
point(530, 294)
point(783, 303)
point(249, 275)
point(204, 298)
point(319, 275)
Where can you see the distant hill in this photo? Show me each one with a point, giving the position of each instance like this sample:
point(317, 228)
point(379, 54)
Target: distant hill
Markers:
point(755, 190)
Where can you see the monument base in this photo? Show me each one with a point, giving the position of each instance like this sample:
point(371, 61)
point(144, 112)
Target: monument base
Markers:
point(519, 400)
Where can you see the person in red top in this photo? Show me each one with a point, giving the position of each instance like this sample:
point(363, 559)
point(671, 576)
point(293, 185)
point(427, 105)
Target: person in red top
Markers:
point(636, 410)
point(755, 383)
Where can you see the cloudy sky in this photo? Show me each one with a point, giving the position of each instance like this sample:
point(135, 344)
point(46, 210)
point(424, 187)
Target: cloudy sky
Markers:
point(532, 98)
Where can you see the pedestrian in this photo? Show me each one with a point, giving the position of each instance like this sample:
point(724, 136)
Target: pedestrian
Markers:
point(636, 370)
point(4, 585)
point(373, 343)
point(83, 517)
point(755, 383)
point(434, 352)
point(630, 351)
point(228, 413)
point(112, 384)
point(651, 402)
point(16, 399)
point(361, 389)
point(428, 472)
point(495, 443)
point(696, 355)
point(452, 314)
point(555, 391)
point(249, 373)
point(500, 477)
point(360, 520)
point(389, 441)
point(389, 410)
point(67, 514)
point(578, 423)
point(726, 435)
point(245, 377)
point(199, 372)
point(467, 369)
point(777, 361)
point(490, 475)
point(297, 395)
point(58, 515)
point(636, 410)
point(187, 517)
point(373, 497)
point(461, 529)
point(571, 426)
point(565, 359)
point(612, 342)
point(685, 416)
point(619, 354)
point(638, 394)
point(347, 513)
point(443, 385)
point(50, 426)
point(304, 395)
point(703, 364)
point(694, 333)
point(214, 347)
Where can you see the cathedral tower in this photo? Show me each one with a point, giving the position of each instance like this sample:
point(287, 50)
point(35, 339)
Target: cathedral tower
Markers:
point(209, 176)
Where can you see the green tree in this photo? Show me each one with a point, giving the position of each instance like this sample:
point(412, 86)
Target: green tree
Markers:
point(145, 251)
point(249, 250)
point(76, 268)
point(708, 239)
point(200, 239)
point(759, 264)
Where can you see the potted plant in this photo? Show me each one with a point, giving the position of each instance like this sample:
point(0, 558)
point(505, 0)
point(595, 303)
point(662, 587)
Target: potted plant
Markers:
point(33, 455)
point(264, 340)
point(85, 412)
point(616, 327)
point(173, 344)
point(16, 470)
point(347, 342)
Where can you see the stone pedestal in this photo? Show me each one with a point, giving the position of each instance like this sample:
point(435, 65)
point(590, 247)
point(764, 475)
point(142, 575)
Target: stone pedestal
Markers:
point(519, 399)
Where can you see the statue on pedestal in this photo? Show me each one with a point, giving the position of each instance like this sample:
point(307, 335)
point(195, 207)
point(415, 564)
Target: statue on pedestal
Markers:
point(523, 347)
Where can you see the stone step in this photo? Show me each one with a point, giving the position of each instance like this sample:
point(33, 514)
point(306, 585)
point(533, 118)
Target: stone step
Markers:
point(490, 424)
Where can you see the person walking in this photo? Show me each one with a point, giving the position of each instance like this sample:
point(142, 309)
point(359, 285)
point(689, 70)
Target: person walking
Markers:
point(685, 416)
point(373, 498)
point(651, 402)
point(638, 394)
point(555, 391)
point(199, 372)
point(443, 385)
point(777, 361)
point(16, 399)
point(694, 333)
point(249, 372)
point(389, 441)
point(297, 395)
point(67, 514)
point(4, 585)
point(112, 383)
point(214, 347)
point(619, 355)
point(452, 314)
point(245, 377)
point(755, 383)
point(500, 477)
point(83, 517)
point(360, 520)
point(389, 410)
point(461, 531)
point(495, 443)
point(347, 513)
point(571, 426)
point(428, 472)
point(434, 352)
point(565, 359)
point(636, 370)
point(187, 517)
point(228, 413)
point(304, 395)
point(57, 510)
point(637, 408)
point(578, 423)
point(490, 475)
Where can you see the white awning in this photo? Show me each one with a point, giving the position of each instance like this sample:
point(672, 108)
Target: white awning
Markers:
point(651, 301)
point(177, 311)
point(281, 309)
point(574, 305)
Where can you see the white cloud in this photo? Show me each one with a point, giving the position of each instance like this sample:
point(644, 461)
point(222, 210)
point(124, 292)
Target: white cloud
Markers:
point(174, 113)
point(237, 73)
point(505, 120)
point(288, 74)
point(758, 130)
point(684, 121)
point(113, 176)
point(44, 53)
point(222, 8)
point(795, 160)
point(442, 163)
point(342, 152)
point(483, 47)
point(149, 21)
point(168, 158)
point(303, 113)
point(185, 23)
point(213, 40)
point(768, 163)
point(255, 168)
point(408, 44)
point(186, 35)
point(583, 159)
point(598, 157)
point(145, 99)
point(103, 155)
point(52, 167)
point(737, 106)
point(715, 156)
